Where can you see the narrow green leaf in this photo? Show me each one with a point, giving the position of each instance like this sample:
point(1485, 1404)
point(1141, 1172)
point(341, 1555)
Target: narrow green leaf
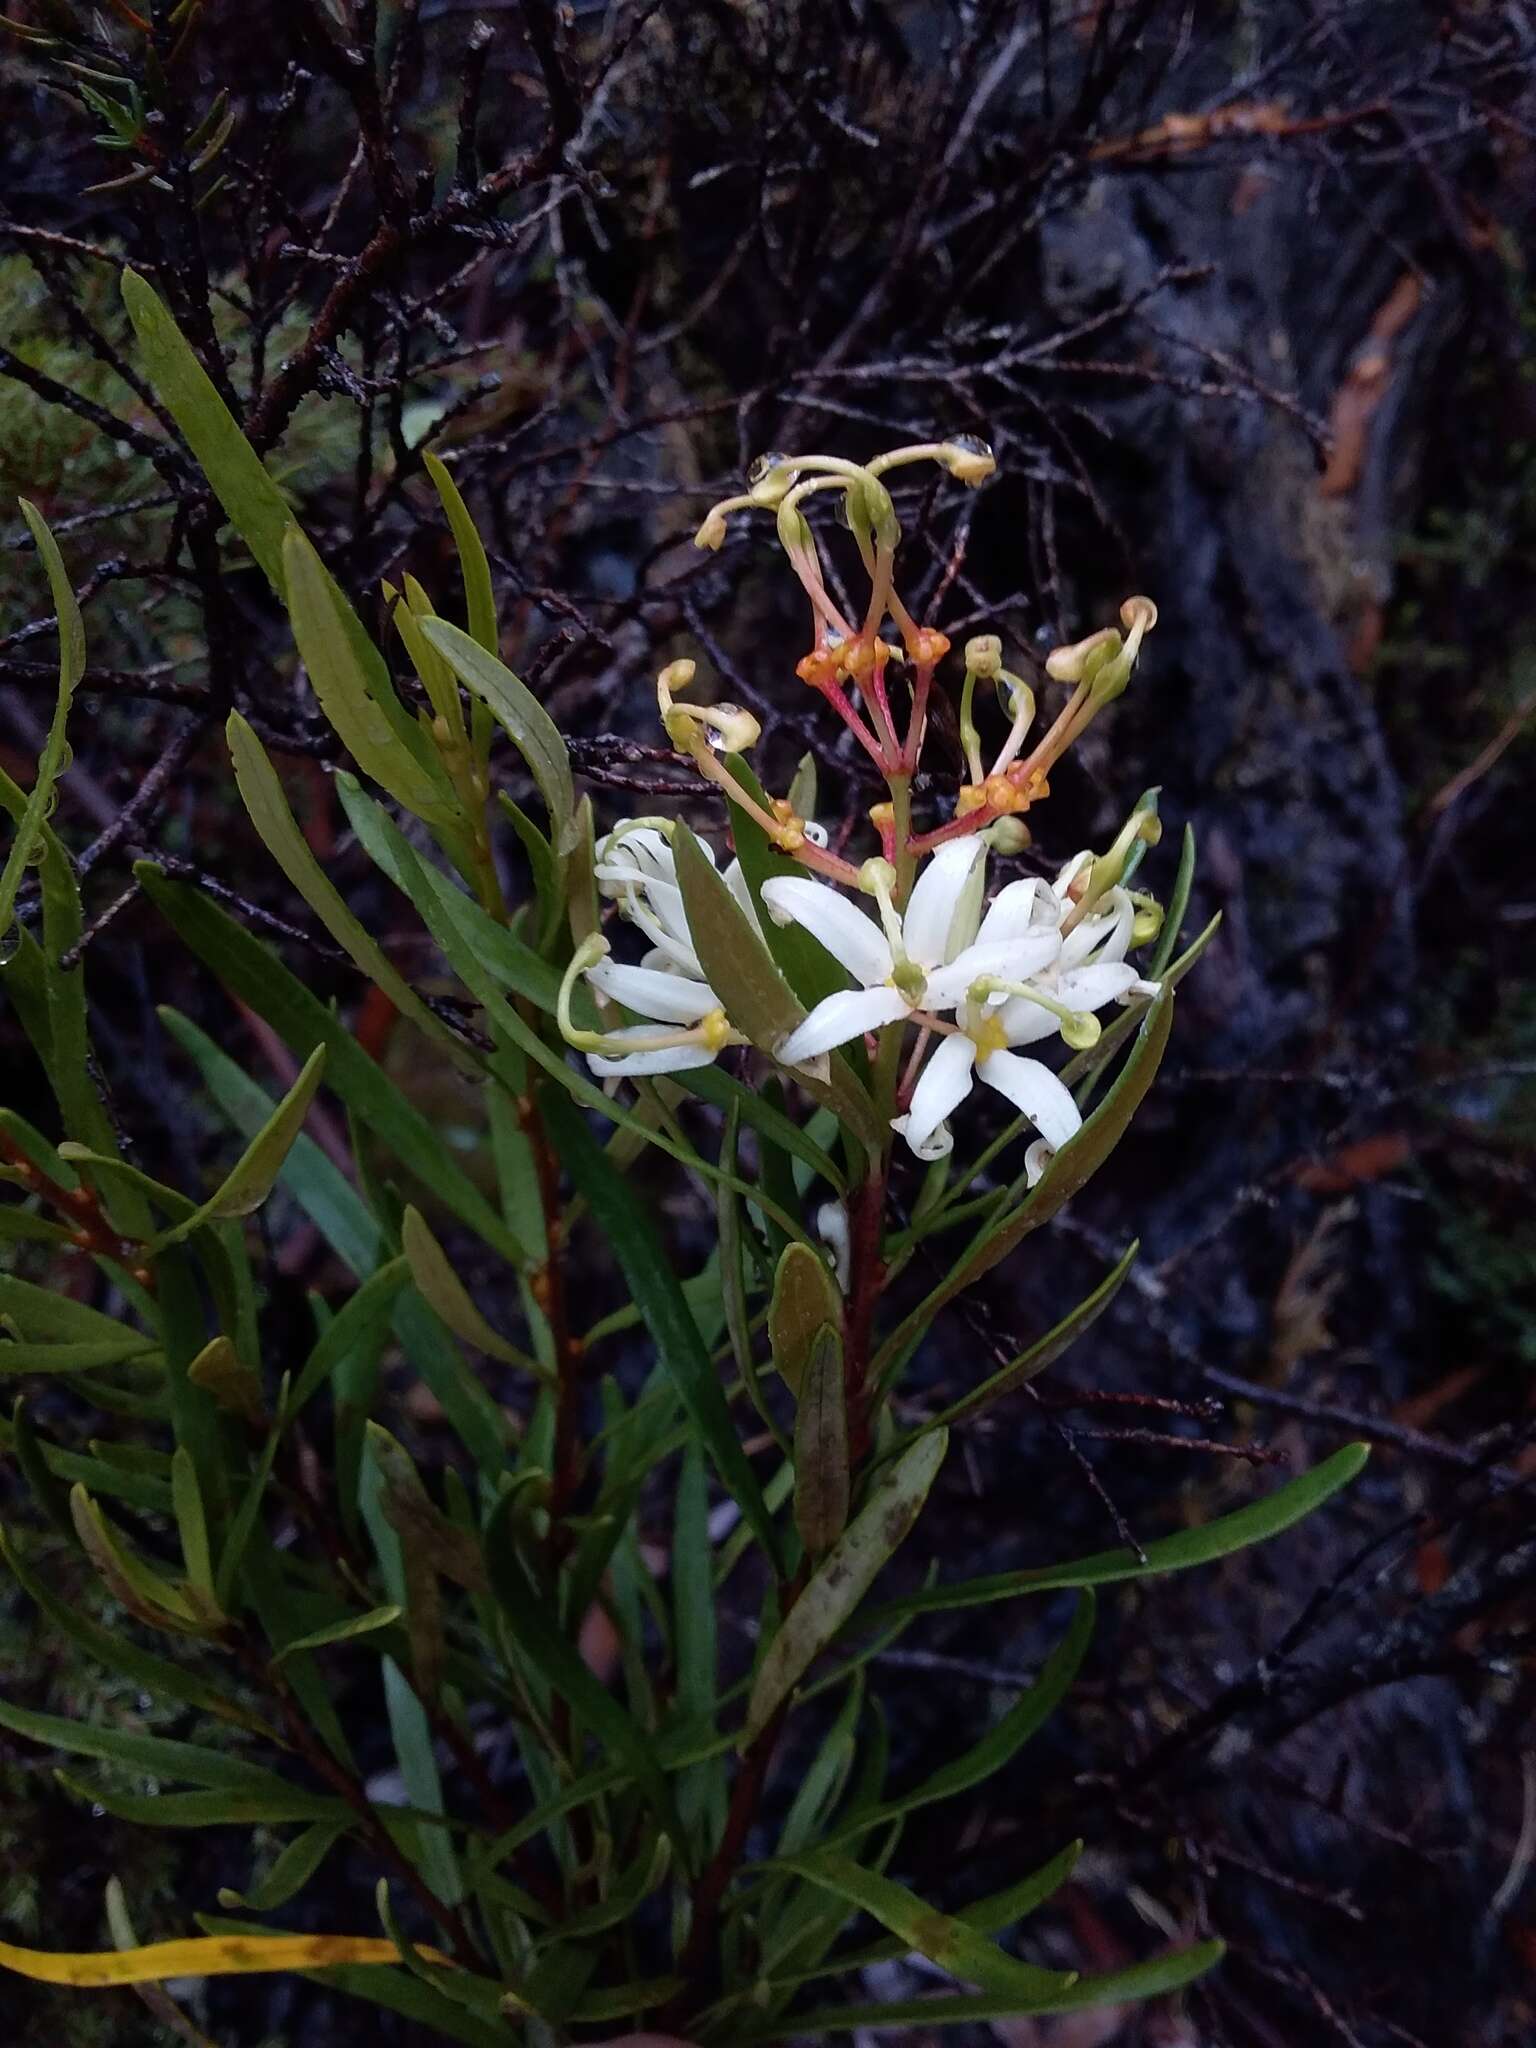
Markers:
point(86, 1355)
point(41, 1314)
point(712, 1085)
point(940, 1937)
point(844, 1576)
point(527, 724)
point(1035, 1357)
point(342, 1631)
point(636, 1245)
point(1023, 1720)
point(990, 1915)
point(479, 597)
point(1073, 1166)
point(554, 1656)
point(1255, 1523)
point(114, 1652)
point(757, 999)
point(805, 1300)
point(352, 695)
point(155, 1755)
point(253, 1175)
point(225, 1807)
point(296, 1863)
point(71, 668)
point(1178, 904)
point(1123, 1987)
point(319, 1187)
point(256, 507)
point(254, 973)
point(446, 1294)
point(821, 1446)
point(359, 1325)
point(701, 1791)
point(192, 1526)
point(262, 794)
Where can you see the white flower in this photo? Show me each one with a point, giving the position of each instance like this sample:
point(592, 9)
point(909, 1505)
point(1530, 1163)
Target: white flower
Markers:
point(636, 866)
point(1088, 970)
point(685, 1023)
point(919, 963)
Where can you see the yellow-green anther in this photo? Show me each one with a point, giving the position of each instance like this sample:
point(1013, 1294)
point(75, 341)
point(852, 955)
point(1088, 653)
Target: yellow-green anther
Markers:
point(984, 654)
point(1148, 919)
point(1007, 835)
point(1079, 1028)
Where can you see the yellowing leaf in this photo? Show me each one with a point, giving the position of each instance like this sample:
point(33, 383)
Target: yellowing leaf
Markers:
point(214, 1955)
point(805, 1298)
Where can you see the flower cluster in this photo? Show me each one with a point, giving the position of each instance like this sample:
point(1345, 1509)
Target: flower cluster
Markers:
point(945, 986)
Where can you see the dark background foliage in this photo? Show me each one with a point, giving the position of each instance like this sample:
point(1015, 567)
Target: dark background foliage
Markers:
point(1239, 295)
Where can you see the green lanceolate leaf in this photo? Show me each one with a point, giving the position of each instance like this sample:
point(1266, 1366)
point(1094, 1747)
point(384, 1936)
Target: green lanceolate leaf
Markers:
point(155, 1755)
point(71, 668)
point(325, 631)
point(805, 1299)
point(844, 1576)
point(636, 1245)
point(527, 724)
point(253, 972)
point(479, 598)
point(555, 1658)
point(446, 1294)
point(1122, 1987)
point(757, 999)
point(1253, 1524)
point(112, 1649)
point(263, 797)
point(1023, 1720)
point(256, 507)
point(252, 1178)
point(1034, 1359)
point(295, 1865)
point(940, 1937)
point(342, 1631)
point(1071, 1169)
point(821, 1446)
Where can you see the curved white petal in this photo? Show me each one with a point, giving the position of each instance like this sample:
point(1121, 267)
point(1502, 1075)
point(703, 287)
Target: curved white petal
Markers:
point(1069, 874)
point(943, 1084)
point(672, 997)
point(1016, 960)
point(1035, 1090)
point(1036, 1159)
point(672, 1059)
point(1011, 913)
point(937, 903)
point(736, 882)
point(1024, 1022)
point(836, 1019)
point(1105, 936)
point(667, 943)
point(938, 1144)
point(1100, 982)
point(849, 934)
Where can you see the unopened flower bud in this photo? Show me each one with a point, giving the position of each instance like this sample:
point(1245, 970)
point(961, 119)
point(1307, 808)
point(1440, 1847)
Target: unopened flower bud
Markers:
point(984, 654)
point(1069, 664)
point(877, 876)
point(1007, 835)
point(676, 677)
point(794, 530)
point(968, 459)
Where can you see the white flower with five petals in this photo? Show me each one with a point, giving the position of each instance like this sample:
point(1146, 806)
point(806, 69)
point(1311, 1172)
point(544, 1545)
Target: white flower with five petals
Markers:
point(916, 964)
point(1088, 970)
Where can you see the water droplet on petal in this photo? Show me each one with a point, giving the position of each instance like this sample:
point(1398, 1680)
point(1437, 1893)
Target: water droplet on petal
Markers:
point(763, 466)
